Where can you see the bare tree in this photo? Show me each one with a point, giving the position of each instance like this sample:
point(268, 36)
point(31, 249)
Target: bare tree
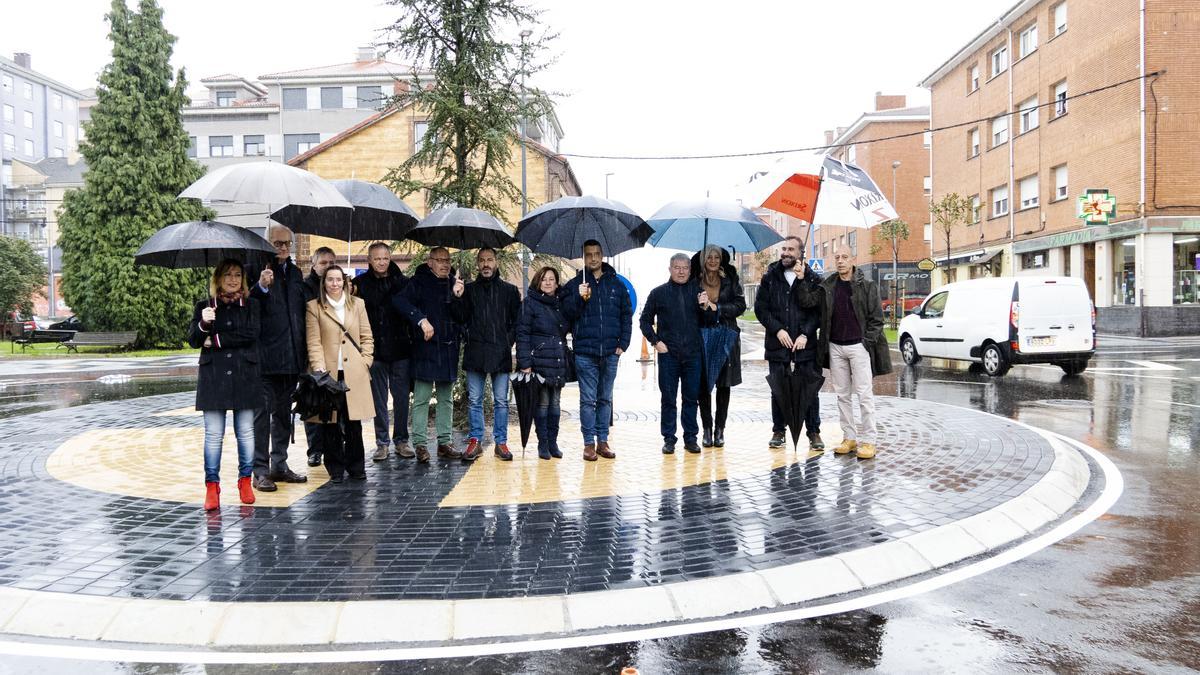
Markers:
point(949, 212)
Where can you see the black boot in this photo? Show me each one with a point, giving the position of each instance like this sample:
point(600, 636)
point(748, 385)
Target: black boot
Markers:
point(539, 423)
point(719, 437)
point(708, 437)
point(552, 435)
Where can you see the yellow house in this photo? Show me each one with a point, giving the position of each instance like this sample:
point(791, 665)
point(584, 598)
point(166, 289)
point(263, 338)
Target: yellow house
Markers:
point(369, 149)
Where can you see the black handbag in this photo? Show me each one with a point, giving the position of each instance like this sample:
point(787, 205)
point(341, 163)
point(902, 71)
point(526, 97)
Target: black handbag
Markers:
point(571, 376)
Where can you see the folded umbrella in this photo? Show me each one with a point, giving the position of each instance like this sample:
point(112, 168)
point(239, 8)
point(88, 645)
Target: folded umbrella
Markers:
point(203, 243)
point(794, 387)
point(718, 344)
point(461, 227)
point(560, 227)
point(692, 225)
point(527, 389)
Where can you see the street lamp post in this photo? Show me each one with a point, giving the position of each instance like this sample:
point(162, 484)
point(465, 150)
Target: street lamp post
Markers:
point(895, 253)
point(524, 194)
point(606, 184)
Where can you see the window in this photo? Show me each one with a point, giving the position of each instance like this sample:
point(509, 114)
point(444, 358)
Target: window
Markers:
point(1060, 99)
point(852, 241)
point(419, 131)
point(1033, 260)
point(7, 84)
point(851, 154)
point(973, 142)
point(9, 114)
point(1000, 130)
point(225, 98)
point(57, 101)
point(999, 201)
point(1028, 41)
point(927, 138)
point(253, 146)
point(27, 119)
point(29, 148)
point(1029, 191)
point(1028, 114)
point(1060, 182)
point(370, 97)
point(928, 184)
point(10, 143)
point(999, 61)
point(58, 129)
point(191, 151)
point(58, 152)
point(220, 146)
point(1187, 271)
point(973, 78)
point(1059, 13)
point(974, 209)
point(296, 144)
point(928, 231)
point(27, 90)
point(331, 98)
point(295, 99)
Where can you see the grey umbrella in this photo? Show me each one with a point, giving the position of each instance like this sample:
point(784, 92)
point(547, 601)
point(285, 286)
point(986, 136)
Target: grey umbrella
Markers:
point(378, 214)
point(461, 227)
point(265, 183)
point(560, 227)
point(203, 243)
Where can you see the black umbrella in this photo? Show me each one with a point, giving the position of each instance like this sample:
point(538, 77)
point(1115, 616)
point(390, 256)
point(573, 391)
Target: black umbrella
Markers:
point(461, 227)
point(203, 243)
point(378, 214)
point(560, 227)
point(794, 387)
point(527, 388)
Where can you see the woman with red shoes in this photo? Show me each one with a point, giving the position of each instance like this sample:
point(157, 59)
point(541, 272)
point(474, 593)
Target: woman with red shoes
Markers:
point(226, 328)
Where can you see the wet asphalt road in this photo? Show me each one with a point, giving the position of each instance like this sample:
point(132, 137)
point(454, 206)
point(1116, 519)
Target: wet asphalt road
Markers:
point(1121, 595)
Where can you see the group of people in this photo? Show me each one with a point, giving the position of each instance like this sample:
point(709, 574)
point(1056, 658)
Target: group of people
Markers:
point(384, 333)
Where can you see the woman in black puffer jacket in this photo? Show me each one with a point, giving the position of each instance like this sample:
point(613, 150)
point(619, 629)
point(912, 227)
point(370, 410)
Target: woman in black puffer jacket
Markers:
point(712, 270)
point(542, 350)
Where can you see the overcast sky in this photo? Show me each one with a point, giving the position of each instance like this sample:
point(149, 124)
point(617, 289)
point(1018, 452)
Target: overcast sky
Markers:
point(644, 77)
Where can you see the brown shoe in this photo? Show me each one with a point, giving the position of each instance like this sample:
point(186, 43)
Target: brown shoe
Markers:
point(448, 452)
point(422, 454)
point(589, 452)
point(503, 452)
point(603, 450)
point(405, 451)
point(473, 451)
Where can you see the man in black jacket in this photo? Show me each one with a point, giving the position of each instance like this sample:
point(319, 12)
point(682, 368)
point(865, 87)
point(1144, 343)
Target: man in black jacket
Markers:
point(393, 347)
point(320, 261)
point(283, 355)
point(679, 307)
point(491, 306)
point(788, 307)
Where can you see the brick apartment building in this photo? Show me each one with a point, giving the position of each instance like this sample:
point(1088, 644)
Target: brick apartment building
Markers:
point(906, 185)
point(1023, 145)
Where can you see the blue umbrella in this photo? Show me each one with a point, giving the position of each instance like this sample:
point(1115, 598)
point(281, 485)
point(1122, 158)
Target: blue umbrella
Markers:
point(692, 225)
point(718, 344)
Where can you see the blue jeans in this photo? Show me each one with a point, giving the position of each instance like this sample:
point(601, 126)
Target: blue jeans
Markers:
point(673, 371)
point(475, 384)
point(214, 433)
point(390, 376)
point(596, 375)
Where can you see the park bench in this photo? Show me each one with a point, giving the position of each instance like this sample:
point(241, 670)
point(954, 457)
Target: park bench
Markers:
point(117, 340)
point(39, 336)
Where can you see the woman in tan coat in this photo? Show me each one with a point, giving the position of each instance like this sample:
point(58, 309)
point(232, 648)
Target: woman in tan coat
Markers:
point(340, 340)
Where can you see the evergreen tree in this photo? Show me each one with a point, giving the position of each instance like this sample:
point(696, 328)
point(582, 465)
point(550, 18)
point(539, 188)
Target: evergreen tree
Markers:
point(136, 151)
point(22, 273)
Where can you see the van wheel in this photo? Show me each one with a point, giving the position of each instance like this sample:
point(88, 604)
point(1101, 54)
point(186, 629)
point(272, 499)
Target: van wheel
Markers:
point(1073, 367)
point(908, 351)
point(994, 362)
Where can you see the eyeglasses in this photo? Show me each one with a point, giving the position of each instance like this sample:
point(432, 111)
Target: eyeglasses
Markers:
point(440, 260)
point(281, 244)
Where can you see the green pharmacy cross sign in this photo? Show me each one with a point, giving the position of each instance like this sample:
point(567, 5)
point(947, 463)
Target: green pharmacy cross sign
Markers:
point(1097, 206)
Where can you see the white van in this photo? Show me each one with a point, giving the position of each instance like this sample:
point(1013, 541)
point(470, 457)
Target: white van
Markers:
point(998, 322)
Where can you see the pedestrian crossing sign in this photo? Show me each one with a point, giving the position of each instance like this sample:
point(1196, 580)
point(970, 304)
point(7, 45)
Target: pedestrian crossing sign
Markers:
point(817, 265)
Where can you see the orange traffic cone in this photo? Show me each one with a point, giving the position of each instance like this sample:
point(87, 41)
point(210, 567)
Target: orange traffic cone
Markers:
point(645, 358)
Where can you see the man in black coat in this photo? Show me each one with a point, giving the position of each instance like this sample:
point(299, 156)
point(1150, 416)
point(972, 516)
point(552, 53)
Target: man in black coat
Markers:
point(788, 306)
point(491, 306)
point(677, 307)
point(320, 261)
point(393, 347)
point(283, 354)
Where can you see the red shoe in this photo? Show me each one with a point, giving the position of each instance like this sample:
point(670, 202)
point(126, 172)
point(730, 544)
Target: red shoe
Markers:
point(473, 451)
point(245, 491)
point(502, 452)
point(212, 500)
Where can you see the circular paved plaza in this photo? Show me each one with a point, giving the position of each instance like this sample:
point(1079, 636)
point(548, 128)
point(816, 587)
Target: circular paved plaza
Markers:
point(104, 538)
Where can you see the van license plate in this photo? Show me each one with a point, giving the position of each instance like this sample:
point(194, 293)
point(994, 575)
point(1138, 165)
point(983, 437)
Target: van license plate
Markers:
point(1043, 341)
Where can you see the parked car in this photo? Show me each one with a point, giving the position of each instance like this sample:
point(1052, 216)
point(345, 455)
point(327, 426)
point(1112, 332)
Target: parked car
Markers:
point(15, 324)
point(70, 323)
point(1000, 322)
point(907, 304)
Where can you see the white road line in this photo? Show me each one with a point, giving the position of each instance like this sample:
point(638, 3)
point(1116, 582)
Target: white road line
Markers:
point(1189, 405)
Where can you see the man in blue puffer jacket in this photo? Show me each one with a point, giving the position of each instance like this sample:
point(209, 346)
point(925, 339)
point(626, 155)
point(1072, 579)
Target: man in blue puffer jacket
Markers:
point(601, 315)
